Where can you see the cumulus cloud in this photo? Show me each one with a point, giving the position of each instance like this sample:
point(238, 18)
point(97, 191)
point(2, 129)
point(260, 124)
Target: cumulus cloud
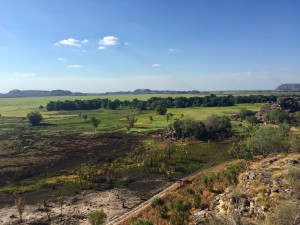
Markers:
point(101, 47)
point(156, 65)
point(74, 66)
point(85, 41)
point(109, 40)
point(61, 59)
point(173, 50)
point(70, 42)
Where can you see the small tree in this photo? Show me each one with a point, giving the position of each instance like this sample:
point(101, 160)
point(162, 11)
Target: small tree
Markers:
point(95, 122)
point(131, 121)
point(34, 118)
point(20, 205)
point(84, 116)
point(97, 217)
point(150, 118)
point(161, 110)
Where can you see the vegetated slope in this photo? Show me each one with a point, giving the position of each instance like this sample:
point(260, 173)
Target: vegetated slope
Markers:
point(288, 87)
point(262, 189)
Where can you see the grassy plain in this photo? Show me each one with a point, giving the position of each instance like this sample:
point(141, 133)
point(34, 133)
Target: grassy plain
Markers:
point(65, 140)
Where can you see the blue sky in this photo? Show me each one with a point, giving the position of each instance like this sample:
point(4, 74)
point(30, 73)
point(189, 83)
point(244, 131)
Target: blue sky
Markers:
point(113, 45)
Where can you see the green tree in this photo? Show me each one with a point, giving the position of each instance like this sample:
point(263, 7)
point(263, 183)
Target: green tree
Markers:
point(97, 217)
point(161, 110)
point(95, 123)
point(34, 118)
point(267, 139)
point(218, 126)
point(131, 120)
point(142, 222)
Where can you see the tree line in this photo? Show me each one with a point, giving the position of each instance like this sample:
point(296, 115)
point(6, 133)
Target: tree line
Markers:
point(151, 104)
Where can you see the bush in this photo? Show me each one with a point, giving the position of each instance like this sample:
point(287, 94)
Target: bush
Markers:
point(266, 140)
point(161, 110)
point(218, 126)
point(189, 128)
point(34, 118)
point(97, 217)
point(243, 113)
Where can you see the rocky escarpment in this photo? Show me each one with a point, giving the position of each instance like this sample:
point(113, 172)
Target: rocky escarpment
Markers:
point(288, 87)
point(261, 189)
point(285, 104)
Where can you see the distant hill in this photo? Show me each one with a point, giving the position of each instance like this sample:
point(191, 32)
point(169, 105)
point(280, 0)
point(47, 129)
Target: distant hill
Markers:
point(39, 93)
point(288, 87)
point(148, 91)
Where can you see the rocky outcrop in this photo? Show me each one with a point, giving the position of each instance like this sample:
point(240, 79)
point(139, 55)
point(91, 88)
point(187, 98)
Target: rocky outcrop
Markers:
point(288, 87)
point(259, 190)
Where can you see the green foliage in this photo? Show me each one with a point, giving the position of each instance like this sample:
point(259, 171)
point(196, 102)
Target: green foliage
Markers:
point(97, 217)
point(277, 116)
point(218, 126)
point(295, 144)
point(34, 118)
point(251, 119)
point(95, 122)
point(131, 120)
point(296, 118)
point(243, 113)
point(267, 139)
point(189, 128)
point(157, 202)
point(142, 222)
point(161, 110)
point(231, 173)
point(181, 211)
point(208, 180)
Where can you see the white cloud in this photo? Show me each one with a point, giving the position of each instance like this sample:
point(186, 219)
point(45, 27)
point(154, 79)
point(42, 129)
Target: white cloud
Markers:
point(69, 41)
point(173, 50)
point(156, 65)
point(101, 47)
point(109, 40)
point(61, 59)
point(24, 74)
point(85, 41)
point(74, 66)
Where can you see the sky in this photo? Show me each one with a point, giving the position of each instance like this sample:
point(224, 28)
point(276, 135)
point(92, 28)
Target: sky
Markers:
point(95, 46)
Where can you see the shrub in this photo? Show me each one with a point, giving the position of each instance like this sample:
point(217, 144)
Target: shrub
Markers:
point(189, 128)
point(266, 140)
point(161, 110)
point(218, 126)
point(97, 217)
point(34, 118)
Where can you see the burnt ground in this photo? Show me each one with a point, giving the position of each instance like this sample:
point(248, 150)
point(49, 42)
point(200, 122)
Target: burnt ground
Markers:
point(47, 155)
